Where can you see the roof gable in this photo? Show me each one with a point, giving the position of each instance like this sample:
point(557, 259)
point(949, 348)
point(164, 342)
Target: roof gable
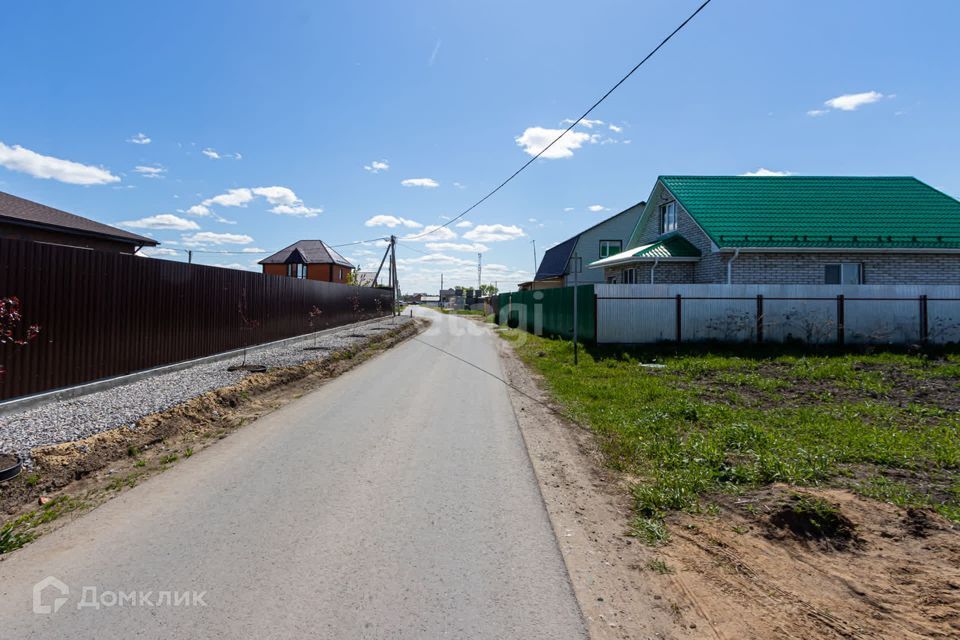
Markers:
point(307, 252)
point(819, 211)
point(554, 262)
point(16, 210)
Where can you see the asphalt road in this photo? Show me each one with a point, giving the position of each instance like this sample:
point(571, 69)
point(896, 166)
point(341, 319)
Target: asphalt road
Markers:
point(394, 502)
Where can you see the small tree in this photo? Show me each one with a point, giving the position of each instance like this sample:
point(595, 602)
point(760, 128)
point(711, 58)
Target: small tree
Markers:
point(10, 319)
point(248, 323)
point(312, 317)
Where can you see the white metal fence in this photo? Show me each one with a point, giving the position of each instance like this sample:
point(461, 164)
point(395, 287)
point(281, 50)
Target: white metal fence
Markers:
point(817, 314)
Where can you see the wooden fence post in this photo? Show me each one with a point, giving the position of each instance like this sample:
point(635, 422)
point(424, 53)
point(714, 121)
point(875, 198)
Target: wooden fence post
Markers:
point(759, 318)
point(924, 326)
point(679, 317)
point(840, 321)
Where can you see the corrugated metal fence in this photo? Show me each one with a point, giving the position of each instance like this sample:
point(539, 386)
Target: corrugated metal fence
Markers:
point(105, 314)
point(549, 312)
point(815, 314)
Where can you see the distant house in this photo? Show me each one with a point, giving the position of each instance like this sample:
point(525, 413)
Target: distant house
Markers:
point(309, 259)
point(791, 230)
point(22, 219)
point(603, 239)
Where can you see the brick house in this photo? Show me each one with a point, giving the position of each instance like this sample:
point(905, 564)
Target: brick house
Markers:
point(309, 259)
point(22, 219)
point(791, 230)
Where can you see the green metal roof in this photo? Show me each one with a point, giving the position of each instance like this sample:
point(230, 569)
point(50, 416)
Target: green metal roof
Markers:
point(819, 211)
point(670, 246)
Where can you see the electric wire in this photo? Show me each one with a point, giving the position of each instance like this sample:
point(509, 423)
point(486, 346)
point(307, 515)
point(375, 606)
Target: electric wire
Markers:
point(568, 129)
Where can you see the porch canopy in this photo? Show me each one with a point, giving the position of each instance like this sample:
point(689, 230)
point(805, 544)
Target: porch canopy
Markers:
point(672, 247)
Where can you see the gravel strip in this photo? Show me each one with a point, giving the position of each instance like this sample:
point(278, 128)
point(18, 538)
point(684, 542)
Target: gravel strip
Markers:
point(84, 416)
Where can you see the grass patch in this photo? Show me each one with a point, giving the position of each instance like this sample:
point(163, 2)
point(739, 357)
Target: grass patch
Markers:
point(21, 530)
point(659, 566)
point(709, 422)
point(169, 458)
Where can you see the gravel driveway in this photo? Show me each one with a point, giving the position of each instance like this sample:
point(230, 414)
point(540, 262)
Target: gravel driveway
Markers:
point(83, 416)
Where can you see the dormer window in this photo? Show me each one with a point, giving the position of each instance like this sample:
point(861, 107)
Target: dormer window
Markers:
point(668, 217)
point(297, 270)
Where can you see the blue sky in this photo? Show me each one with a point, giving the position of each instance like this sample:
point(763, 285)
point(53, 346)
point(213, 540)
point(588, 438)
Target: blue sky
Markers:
point(231, 126)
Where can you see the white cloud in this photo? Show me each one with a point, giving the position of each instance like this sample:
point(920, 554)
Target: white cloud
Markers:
point(815, 113)
point(615, 128)
point(433, 56)
point(276, 195)
point(140, 138)
point(535, 139)
point(597, 208)
point(152, 252)
point(297, 210)
point(567, 209)
point(432, 233)
point(17, 158)
point(162, 221)
point(761, 172)
point(198, 210)
point(493, 233)
point(475, 247)
point(464, 224)
point(209, 237)
point(428, 183)
point(853, 101)
point(586, 122)
point(232, 198)
point(459, 185)
point(235, 265)
point(146, 171)
point(213, 154)
point(437, 258)
point(391, 221)
point(377, 166)
point(253, 250)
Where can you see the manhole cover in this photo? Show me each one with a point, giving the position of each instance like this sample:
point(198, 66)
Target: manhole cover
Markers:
point(252, 368)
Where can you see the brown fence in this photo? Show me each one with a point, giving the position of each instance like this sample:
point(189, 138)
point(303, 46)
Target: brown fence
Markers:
point(104, 314)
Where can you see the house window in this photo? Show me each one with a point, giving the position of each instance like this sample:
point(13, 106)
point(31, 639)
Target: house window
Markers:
point(340, 276)
point(668, 217)
point(843, 273)
point(297, 270)
point(629, 276)
point(610, 247)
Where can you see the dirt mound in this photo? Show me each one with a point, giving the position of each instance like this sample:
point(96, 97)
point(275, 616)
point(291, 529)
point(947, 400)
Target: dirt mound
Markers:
point(768, 564)
point(808, 517)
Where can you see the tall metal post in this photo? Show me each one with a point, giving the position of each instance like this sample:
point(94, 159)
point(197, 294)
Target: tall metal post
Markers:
point(479, 272)
point(535, 264)
point(575, 265)
point(393, 274)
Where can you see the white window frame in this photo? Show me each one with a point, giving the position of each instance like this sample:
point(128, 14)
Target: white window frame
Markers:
point(668, 217)
point(629, 276)
point(297, 270)
point(608, 244)
point(847, 274)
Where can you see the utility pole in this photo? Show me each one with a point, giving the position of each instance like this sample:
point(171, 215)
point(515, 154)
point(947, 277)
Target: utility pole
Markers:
point(393, 274)
point(576, 265)
point(479, 272)
point(440, 297)
point(189, 256)
point(535, 263)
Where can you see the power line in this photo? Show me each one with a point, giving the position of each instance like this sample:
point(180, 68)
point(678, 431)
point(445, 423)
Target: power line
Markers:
point(261, 251)
point(568, 129)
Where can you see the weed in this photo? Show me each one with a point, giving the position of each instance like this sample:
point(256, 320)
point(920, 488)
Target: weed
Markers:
point(659, 566)
point(21, 530)
point(170, 458)
point(32, 480)
point(188, 452)
point(140, 463)
point(133, 451)
point(651, 530)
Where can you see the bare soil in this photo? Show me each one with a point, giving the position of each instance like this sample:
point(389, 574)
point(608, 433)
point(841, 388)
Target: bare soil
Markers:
point(751, 566)
point(97, 468)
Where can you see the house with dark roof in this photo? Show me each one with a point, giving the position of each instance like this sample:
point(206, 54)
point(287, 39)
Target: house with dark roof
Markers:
point(309, 259)
point(603, 239)
point(22, 219)
point(791, 230)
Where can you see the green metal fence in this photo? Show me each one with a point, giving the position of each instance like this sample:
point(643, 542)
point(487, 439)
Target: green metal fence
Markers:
point(549, 312)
